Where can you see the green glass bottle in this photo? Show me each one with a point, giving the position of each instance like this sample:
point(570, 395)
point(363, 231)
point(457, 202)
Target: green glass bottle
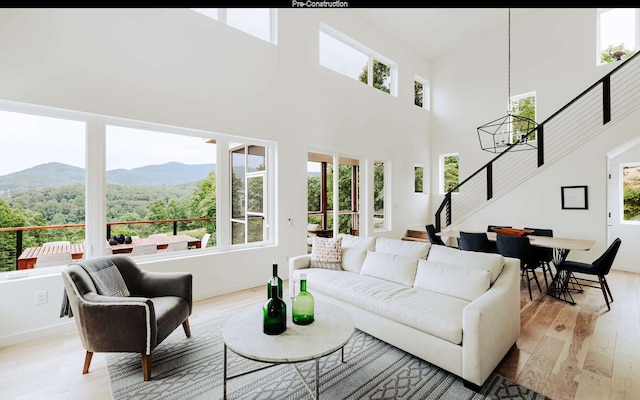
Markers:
point(277, 280)
point(274, 313)
point(302, 304)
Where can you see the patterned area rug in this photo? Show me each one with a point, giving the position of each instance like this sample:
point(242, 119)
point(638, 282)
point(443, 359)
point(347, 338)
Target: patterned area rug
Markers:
point(192, 369)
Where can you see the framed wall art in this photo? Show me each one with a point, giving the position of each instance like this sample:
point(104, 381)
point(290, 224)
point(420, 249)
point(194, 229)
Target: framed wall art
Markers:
point(574, 197)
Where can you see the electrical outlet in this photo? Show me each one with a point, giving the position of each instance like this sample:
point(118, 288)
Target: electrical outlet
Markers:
point(41, 297)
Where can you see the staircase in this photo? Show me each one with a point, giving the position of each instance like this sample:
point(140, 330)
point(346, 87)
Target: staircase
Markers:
point(611, 98)
point(416, 235)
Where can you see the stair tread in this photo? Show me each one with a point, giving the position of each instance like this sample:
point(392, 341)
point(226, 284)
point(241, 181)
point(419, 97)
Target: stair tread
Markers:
point(415, 239)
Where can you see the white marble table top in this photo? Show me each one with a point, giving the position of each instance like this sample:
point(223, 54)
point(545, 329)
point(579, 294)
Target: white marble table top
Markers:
point(331, 330)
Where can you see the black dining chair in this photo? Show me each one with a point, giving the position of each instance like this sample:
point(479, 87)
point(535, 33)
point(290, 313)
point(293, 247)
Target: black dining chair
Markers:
point(543, 255)
point(474, 241)
point(490, 229)
point(433, 238)
point(520, 247)
point(599, 268)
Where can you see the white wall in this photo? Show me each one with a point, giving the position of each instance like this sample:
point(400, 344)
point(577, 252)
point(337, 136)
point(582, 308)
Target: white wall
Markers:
point(552, 53)
point(177, 67)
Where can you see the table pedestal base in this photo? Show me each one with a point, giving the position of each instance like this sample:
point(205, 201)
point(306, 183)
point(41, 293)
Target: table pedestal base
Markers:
point(315, 393)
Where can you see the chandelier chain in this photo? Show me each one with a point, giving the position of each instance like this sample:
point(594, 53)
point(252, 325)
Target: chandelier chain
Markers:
point(509, 60)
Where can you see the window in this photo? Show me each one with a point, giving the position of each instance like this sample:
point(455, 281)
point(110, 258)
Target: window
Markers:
point(421, 92)
point(149, 180)
point(523, 105)
point(258, 22)
point(618, 33)
point(320, 198)
point(630, 176)
point(380, 214)
point(141, 178)
point(248, 194)
point(42, 183)
point(342, 54)
point(449, 172)
point(418, 174)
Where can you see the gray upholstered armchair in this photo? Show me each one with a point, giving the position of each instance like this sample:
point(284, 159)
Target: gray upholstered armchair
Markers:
point(152, 306)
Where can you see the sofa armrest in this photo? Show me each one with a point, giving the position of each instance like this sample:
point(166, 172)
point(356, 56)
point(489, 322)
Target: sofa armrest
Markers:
point(296, 263)
point(491, 324)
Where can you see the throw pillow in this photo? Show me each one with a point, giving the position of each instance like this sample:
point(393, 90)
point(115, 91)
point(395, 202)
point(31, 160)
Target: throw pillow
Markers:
point(107, 278)
point(326, 253)
point(452, 280)
point(354, 251)
point(390, 267)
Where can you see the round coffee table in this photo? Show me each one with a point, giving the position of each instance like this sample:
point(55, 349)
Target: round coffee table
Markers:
point(330, 331)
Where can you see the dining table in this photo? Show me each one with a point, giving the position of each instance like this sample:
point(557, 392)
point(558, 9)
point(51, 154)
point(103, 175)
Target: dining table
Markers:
point(560, 246)
point(29, 256)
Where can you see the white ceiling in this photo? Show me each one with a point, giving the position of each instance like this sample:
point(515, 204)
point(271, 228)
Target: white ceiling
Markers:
point(432, 31)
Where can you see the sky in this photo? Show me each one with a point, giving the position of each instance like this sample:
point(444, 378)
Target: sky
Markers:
point(29, 140)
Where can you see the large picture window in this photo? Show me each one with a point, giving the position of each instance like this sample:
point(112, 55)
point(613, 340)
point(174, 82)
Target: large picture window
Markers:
point(146, 183)
point(42, 183)
point(149, 180)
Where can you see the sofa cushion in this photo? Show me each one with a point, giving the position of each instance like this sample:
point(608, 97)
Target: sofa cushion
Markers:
point(390, 267)
point(326, 253)
point(354, 251)
point(452, 280)
point(402, 247)
point(485, 261)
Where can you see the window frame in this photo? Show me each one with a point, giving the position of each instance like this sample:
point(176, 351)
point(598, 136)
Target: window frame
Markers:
point(516, 98)
point(386, 190)
point(425, 92)
point(249, 175)
point(441, 172)
point(599, 12)
point(365, 50)
point(221, 16)
point(424, 178)
point(621, 185)
point(95, 184)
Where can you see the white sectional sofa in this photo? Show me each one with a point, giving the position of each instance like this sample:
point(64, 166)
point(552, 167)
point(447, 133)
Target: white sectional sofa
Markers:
point(459, 310)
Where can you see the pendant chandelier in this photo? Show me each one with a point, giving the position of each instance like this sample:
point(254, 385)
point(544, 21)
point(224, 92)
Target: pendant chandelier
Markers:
point(512, 129)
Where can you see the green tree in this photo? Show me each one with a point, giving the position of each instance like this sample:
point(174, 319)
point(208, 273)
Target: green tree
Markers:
point(418, 93)
point(381, 74)
point(378, 186)
point(607, 55)
point(451, 170)
point(525, 108)
point(419, 179)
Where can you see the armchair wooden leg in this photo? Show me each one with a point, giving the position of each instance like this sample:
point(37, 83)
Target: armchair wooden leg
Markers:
point(146, 366)
point(87, 362)
point(187, 329)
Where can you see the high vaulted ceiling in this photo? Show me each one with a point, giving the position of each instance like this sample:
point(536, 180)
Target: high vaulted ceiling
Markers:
point(433, 31)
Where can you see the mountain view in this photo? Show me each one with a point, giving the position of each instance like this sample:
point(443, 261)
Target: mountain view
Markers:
point(58, 174)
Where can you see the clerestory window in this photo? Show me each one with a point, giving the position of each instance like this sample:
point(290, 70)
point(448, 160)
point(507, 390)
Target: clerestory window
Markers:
point(348, 57)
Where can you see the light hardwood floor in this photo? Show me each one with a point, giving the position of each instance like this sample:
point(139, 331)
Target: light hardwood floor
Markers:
point(579, 352)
